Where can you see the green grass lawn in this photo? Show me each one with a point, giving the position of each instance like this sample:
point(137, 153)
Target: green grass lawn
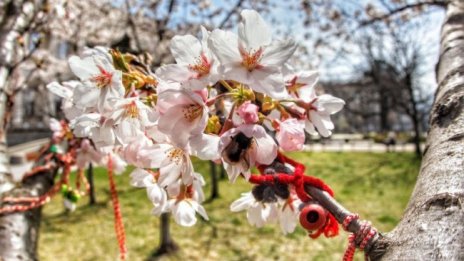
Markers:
point(377, 186)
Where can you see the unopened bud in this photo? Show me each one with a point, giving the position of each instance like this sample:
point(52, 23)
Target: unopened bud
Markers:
point(214, 125)
point(267, 104)
point(118, 61)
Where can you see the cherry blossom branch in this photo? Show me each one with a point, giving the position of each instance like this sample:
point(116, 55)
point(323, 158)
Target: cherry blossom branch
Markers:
point(374, 247)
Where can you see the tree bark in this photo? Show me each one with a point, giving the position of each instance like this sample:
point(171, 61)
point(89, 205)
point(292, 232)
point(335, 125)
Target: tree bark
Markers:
point(214, 182)
point(432, 227)
point(19, 232)
point(92, 198)
point(417, 132)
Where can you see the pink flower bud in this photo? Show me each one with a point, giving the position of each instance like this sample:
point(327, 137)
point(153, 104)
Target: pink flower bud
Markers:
point(248, 112)
point(290, 135)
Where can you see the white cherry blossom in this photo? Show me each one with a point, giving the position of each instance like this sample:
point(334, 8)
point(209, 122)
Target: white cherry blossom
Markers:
point(96, 127)
point(87, 154)
point(196, 67)
point(157, 195)
point(130, 117)
point(288, 213)
point(173, 163)
point(252, 57)
point(184, 211)
point(258, 213)
point(96, 71)
point(301, 85)
point(182, 113)
point(66, 90)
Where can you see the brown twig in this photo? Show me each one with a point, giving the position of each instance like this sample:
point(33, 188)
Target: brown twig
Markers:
point(375, 248)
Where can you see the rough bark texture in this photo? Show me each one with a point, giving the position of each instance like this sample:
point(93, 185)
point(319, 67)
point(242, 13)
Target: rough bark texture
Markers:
point(19, 231)
point(432, 227)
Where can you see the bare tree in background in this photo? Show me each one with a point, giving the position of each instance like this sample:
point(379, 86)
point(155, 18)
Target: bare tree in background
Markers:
point(396, 63)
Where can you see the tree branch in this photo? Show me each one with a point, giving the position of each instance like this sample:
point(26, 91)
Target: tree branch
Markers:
point(130, 21)
point(164, 23)
point(392, 12)
point(374, 248)
point(230, 13)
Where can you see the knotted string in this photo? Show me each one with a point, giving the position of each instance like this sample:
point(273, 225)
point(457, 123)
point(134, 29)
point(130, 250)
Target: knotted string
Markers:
point(299, 180)
point(360, 238)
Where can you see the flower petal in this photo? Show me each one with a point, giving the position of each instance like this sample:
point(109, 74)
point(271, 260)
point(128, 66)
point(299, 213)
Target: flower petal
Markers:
point(185, 49)
point(224, 44)
point(174, 73)
point(137, 177)
point(83, 68)
point(278, 53)
point(330, 104)
point(253, 30)
point(319, 124)
point(244, 202)
point(205, 146)
point(266, 150)
point(269, 83)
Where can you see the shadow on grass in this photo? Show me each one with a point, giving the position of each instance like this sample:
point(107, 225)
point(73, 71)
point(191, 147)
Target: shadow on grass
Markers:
point(170, 249)
point(74, 217)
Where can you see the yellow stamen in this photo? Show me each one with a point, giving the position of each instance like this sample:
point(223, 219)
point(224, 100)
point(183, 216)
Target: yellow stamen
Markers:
point(251, 59)
point(132, 111)
point(175, 155)
point(103, 79)
point(192, 112)
point(202, 67)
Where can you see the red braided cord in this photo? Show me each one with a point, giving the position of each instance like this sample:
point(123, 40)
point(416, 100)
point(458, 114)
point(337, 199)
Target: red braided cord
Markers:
point(81, 178)
point(38, 169)
point(365, 233)
point(118, 224)
point(34, 202)
point(299, 181)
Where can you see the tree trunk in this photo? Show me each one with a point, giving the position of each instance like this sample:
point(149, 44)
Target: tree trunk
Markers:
point(19, 231)
point(384, 109)
point(223, 174)
point(417, 133)
point(92, 198)
point(167, 244)
point(214, 182)
point(414, 114)
point(432, 227)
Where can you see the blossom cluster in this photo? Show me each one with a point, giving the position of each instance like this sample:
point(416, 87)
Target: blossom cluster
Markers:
point(230, 98)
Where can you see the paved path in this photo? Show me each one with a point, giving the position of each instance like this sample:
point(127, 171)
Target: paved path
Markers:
point(360, 146)
point(20, 151)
